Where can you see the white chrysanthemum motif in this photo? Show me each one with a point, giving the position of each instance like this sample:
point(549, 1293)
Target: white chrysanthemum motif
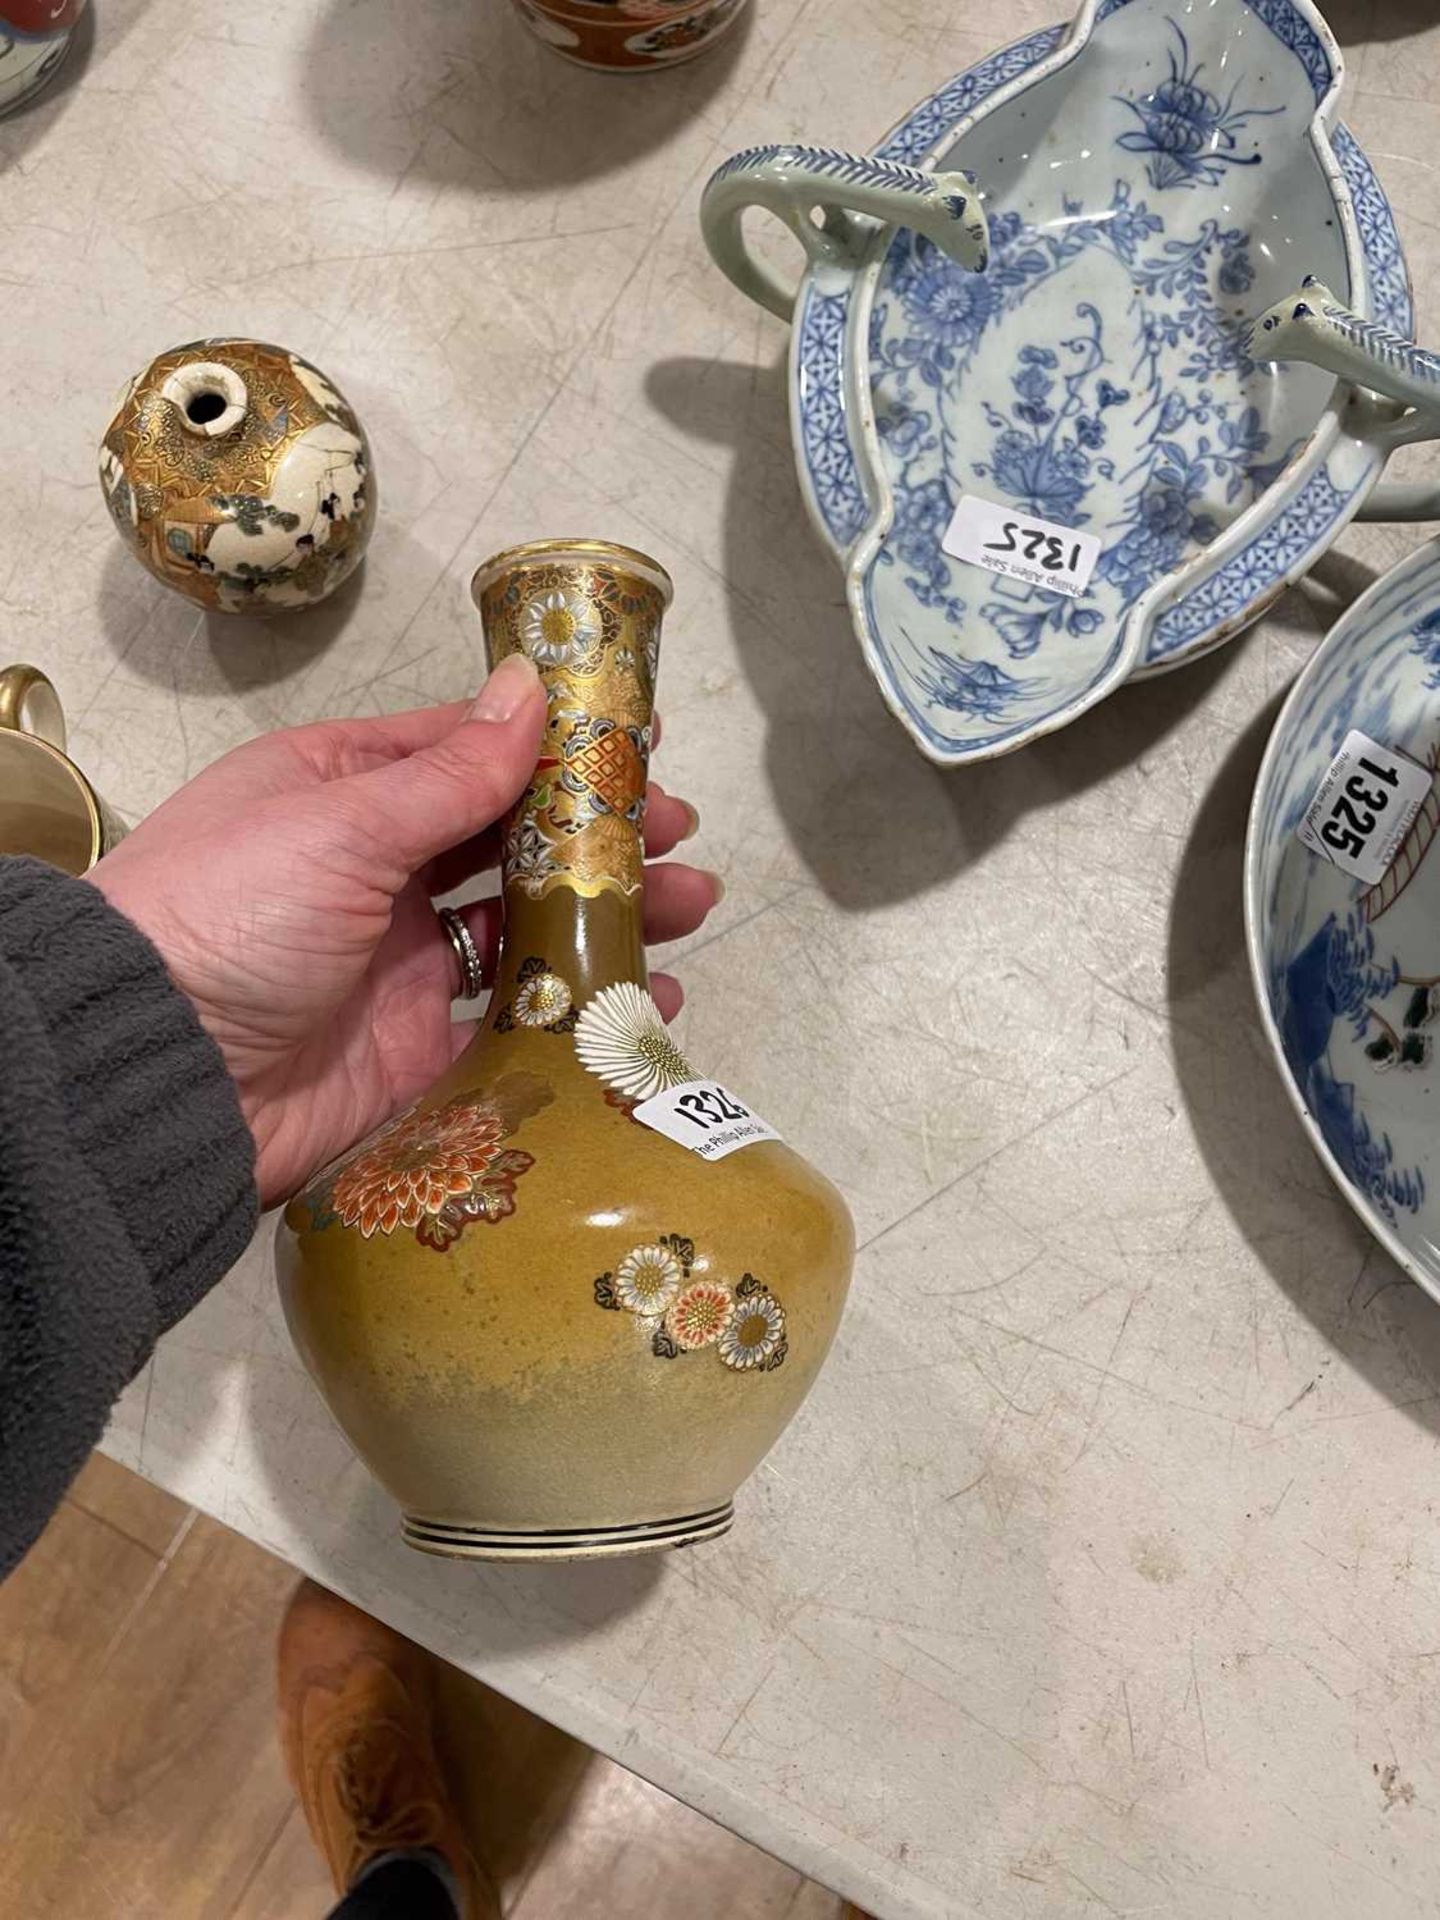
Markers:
point(557, 628)
point(622, 1038)
point(753, 1332)
point(647, 1280)
point(542, 1000)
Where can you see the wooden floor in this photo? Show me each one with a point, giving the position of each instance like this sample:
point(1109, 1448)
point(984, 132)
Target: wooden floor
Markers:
point(140, 1777)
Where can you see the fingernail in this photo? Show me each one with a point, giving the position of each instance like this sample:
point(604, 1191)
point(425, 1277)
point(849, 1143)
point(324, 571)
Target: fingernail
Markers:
point(692, 821)
point(720, 888)
point(507, 689)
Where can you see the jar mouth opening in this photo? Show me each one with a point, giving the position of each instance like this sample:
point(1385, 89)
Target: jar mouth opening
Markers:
point(210, 397)
point(586, 552)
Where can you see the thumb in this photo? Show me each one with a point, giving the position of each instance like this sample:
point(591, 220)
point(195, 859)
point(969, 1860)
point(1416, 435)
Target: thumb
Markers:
point(423, 805)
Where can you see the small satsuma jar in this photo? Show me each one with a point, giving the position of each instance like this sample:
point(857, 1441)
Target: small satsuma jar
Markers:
point(630, 36)
point(239, 475)
point(566, 1304)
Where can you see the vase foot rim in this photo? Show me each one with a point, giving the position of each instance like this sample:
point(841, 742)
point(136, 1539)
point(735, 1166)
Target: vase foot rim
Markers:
point(460, 1542)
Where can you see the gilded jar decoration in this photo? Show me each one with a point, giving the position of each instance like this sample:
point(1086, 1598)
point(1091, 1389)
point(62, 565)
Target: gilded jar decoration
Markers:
point(240, 476)
point(515, 1281)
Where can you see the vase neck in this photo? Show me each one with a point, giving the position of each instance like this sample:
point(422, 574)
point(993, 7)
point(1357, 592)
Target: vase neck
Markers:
point(587, 943)
point(588, 615)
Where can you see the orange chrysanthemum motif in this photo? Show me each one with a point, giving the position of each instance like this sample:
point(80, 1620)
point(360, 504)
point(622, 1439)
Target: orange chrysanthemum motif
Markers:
point(430, 1171)
point(700, 1315)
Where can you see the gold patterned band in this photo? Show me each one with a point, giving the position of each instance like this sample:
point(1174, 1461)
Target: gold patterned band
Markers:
point(588, 614)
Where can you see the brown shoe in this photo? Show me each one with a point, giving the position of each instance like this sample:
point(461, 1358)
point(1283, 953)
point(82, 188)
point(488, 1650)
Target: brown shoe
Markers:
point(357, 1729)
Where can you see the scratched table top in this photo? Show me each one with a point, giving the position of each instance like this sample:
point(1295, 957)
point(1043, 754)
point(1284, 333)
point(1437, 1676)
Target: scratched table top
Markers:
point(1100, 1572)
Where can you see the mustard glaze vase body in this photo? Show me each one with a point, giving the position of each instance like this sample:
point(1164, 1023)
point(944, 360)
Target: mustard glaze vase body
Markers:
point(549, 1330)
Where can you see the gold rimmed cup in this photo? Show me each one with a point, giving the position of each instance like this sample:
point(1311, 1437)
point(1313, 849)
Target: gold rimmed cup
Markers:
point(47, 806)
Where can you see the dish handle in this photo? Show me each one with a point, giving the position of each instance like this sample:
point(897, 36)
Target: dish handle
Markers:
point(1314, 325)
point(853, 194)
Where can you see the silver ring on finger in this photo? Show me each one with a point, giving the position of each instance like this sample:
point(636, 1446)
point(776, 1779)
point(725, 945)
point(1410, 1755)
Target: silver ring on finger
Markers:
point(467, 954)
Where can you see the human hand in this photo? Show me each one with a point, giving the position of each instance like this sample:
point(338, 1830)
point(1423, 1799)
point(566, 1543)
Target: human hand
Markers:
point(289, 887)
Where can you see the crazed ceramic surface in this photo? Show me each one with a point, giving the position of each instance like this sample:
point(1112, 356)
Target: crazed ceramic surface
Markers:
point(1348, 974)
point(239, 475)
point(1097, 374)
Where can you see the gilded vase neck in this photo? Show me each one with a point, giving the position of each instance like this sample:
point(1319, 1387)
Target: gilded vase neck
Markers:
point(588, 614)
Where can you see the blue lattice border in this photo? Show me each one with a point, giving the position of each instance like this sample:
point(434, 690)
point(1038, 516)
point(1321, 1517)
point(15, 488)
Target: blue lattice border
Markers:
point(923, 129)
point(1391, 301)
point(1321, 508)
point(1224, 596)
point(1290, 28)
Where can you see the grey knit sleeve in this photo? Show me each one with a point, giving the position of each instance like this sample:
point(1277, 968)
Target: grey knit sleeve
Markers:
point(126, 1176)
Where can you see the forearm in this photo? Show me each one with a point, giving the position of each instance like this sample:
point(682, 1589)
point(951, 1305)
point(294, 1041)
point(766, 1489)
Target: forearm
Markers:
point(126, 1176)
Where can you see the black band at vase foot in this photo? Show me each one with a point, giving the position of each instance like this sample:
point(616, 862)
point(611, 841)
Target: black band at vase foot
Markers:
point(564, 1543)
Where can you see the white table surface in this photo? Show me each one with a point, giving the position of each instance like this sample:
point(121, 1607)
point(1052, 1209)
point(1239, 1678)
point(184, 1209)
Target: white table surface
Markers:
point(1100, 1574)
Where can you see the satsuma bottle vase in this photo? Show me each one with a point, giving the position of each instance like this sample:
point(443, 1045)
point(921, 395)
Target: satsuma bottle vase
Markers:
point(550, 1331)
point(630, 36)
point(239, 475)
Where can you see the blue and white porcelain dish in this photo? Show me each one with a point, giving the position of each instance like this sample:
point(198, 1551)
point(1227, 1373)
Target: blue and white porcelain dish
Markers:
point(829, 459)
point(1348, 975)
point(1154, 176)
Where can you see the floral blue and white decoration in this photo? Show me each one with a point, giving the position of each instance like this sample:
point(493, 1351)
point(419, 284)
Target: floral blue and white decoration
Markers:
point(1348, 974)
point(827, 433)
point(1210, 481)
point(1189, 134)
point(1100, 379)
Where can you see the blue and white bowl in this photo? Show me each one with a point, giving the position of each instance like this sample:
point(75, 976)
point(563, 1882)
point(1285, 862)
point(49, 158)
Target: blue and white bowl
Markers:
point(1348, 975)
point(1153, 176)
